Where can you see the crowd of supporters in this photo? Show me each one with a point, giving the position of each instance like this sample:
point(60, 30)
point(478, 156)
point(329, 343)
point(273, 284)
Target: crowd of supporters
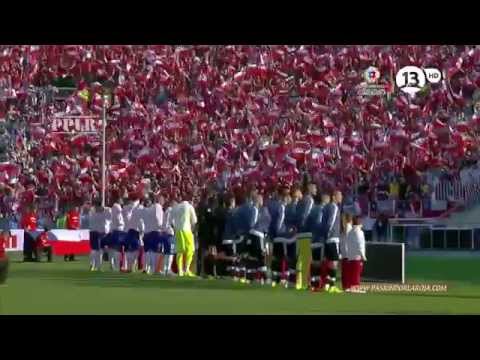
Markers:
point(183, 118)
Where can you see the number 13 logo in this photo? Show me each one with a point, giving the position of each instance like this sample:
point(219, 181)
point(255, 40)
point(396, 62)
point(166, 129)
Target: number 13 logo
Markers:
point(410, 79)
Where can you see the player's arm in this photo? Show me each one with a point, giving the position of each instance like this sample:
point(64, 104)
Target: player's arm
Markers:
point(361, 245)
point(253, 217)
point(333, 212)
point(280, 218)
point(305, 211)
point(193, 216)
point(159, 214)
point(108, 213)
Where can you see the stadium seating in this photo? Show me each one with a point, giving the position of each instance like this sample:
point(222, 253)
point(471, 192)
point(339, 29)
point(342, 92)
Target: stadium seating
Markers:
point(184, 117)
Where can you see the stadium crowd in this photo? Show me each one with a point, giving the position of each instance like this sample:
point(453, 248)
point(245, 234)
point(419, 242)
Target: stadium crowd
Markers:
point(184, 117)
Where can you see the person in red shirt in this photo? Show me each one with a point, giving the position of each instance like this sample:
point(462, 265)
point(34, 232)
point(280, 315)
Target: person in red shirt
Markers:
point(29, 224)
point(3, 256)
point(73, 219)
point(73, 223)
point(43, 246)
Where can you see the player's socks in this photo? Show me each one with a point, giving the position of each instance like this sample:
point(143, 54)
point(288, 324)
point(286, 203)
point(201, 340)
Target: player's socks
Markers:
point(332, 276)
point(167, 264)
point(188, 261)
point(180, 264)
point(147, 269)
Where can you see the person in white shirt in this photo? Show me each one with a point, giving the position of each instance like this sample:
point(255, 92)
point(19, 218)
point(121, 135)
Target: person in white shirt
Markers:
point(355, 252)
point(347, 221)
point(116, 237)
point(153, 221)
point(134, 225)
point(167, 244)
point(184, 219)
point(99, 222)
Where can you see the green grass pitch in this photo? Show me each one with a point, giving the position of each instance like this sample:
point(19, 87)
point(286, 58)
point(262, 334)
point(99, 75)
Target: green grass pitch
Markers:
point(68, 288)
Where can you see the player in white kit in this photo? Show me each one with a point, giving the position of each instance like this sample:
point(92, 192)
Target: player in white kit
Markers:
point(117, 235)
point(99, 222)
point(134, 227)
point(167, 243)
point(153, 221)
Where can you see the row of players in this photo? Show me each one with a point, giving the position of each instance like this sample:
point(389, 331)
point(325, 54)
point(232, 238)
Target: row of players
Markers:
point(269, 244)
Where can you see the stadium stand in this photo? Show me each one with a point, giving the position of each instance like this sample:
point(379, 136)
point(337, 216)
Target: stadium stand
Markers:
point(183, 118)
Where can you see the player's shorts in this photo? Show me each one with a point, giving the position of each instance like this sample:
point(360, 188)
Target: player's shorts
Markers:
point(152, 241)
point(184, 241)
point(106, 240)
point(167, 244)
point(284, 247)
point(317, 251)
point(118, 239)
point(332, 251)
point(132, 240)
point(231, 247)
point(255, 245)
point(96, 240)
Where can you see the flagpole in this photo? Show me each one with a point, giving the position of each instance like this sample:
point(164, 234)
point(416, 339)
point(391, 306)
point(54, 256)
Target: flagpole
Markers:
point(104, 128)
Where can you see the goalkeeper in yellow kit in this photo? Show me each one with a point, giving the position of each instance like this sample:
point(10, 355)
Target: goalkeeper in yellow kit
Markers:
point(184, 219)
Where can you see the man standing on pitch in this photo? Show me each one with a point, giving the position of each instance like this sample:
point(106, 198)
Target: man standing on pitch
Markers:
point(184, 219)
point(304, 237)
point(331, 221)
point(153, 220)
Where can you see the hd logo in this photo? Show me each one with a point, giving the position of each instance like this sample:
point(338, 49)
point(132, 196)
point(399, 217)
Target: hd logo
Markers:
point(411, 79)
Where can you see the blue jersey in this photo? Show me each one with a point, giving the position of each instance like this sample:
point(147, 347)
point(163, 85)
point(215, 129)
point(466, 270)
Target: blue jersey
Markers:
point(230, 230)
point(304, 207)
point(245, 218)
point(263, 220)
point(278, 226)
point(331, 221)
point(291, 215)
point(314, 222)
point(274, 210)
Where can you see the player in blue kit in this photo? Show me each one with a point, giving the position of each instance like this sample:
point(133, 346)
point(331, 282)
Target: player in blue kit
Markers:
point(314, 224)
point(283, 241)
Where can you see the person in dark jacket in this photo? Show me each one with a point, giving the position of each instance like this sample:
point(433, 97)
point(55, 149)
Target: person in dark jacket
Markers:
point(304, 237)
point(314, 225)
point(380, 228)
point(331, 222)
point(291, 210)
point(206, 228)
point(284, 248)
point(255, 221)
point(223, 260)
point(304, 207)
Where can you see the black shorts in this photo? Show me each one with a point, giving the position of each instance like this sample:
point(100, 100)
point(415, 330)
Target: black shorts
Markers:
point(331, 252)
point(255, 246)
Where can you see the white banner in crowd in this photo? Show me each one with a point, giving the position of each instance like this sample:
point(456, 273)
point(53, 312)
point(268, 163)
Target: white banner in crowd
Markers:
point(76, 124)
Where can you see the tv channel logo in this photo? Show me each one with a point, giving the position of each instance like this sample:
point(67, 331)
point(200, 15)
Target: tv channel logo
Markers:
point(411, 79)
